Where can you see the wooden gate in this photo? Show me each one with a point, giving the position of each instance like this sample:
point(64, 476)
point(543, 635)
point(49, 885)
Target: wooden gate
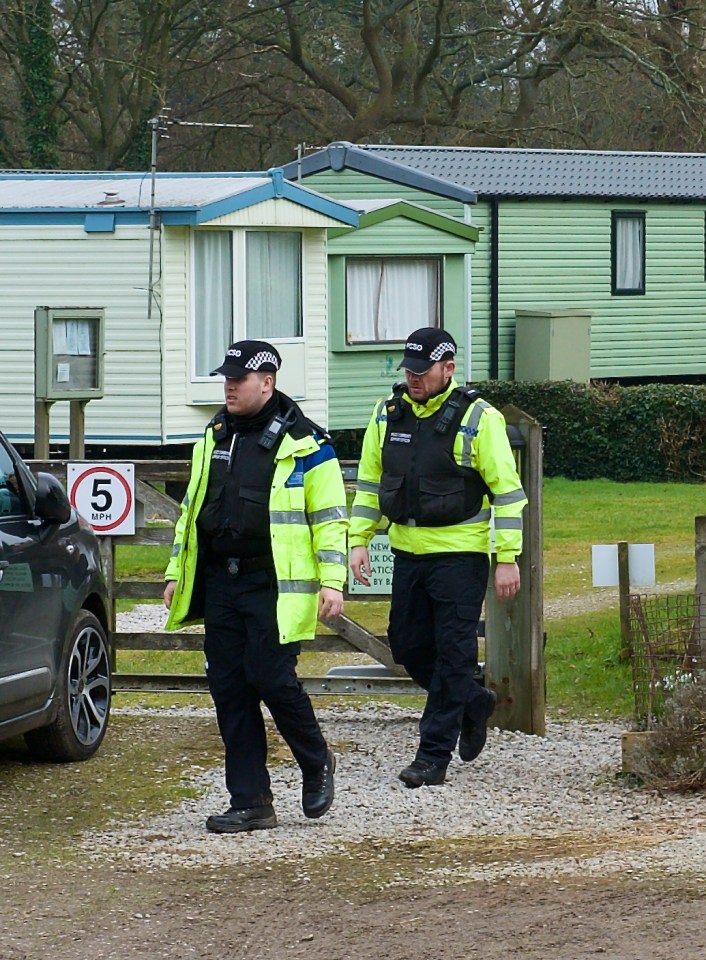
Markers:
point(514, 664)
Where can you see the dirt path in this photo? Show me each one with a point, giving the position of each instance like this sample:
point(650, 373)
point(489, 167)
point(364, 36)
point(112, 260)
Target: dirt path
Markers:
point(256, 914)
point(537, 851)
point(599, 599)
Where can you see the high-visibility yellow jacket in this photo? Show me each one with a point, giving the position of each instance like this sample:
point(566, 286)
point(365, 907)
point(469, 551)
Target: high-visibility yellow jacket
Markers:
point(481, 443)
point(308, 523)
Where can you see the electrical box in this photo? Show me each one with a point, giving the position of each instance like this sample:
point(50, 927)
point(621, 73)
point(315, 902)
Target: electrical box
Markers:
point(553, 344)
point(69, 348)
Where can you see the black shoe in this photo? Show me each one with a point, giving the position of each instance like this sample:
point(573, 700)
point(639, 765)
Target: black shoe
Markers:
point(474, 733)
point(236, 821)
point(317, 789)
point(422, 773)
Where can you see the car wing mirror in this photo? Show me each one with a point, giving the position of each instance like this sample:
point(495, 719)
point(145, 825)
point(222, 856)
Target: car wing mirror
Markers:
point(51, 501)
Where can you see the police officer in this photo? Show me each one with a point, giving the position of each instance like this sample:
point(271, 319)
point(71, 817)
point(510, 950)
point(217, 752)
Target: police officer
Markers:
point(435, 455)
point(259, 553)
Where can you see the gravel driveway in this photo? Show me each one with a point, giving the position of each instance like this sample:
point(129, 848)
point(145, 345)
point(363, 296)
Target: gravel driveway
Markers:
point(561, 792)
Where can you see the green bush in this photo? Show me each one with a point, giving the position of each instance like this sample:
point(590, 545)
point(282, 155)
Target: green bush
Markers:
point(655, 432)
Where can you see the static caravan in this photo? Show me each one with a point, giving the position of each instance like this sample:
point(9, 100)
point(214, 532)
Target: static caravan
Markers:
point(178, 267)
point(408, 264)
point(601, 252)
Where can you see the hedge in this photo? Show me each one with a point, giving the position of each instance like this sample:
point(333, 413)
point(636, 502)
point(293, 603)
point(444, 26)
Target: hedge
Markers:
point(654, 432)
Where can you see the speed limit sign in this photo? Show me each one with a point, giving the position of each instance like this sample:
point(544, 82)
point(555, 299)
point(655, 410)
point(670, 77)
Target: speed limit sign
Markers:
point(104, 494)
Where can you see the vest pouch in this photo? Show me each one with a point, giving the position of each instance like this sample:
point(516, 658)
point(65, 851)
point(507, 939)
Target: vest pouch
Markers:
point(252, 513)
point(442, 501)
point(392, 498)
point(211, 520)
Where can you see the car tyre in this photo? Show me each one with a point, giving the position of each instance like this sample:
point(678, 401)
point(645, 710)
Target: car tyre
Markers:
point(83, 697)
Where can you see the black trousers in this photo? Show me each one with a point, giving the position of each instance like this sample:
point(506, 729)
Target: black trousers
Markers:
point(246, 665)
point(436, 605)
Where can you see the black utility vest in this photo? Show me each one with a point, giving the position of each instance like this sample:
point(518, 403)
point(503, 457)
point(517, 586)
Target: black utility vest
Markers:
point(234, 520)
point(421, 480)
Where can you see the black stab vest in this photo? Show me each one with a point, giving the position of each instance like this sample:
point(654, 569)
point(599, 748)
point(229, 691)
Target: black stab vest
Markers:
point(421, 480)
point(234, 520)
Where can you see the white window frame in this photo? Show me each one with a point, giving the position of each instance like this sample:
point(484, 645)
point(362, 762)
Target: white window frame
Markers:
point(438, 261)
point(239, 330)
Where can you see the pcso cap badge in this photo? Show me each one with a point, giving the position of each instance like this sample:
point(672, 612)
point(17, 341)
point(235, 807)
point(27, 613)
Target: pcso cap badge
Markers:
point(249, 356)
point(424, 347)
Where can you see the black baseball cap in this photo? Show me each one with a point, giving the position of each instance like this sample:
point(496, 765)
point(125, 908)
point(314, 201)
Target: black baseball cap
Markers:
point(425, 346)
point(249, 356)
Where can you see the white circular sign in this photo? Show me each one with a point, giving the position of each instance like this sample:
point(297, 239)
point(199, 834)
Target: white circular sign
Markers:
point(104, 495)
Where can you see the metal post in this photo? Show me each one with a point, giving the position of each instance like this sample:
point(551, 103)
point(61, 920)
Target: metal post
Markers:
point(624, 597)
point(700, 551)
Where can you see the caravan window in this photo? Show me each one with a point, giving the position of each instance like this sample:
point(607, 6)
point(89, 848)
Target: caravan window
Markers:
point(386, 297)
point(246, 284)
point(628, 251)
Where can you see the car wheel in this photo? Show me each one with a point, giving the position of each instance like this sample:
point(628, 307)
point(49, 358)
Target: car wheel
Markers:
point(83, 695)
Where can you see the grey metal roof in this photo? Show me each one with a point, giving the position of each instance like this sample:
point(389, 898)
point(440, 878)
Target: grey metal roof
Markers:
point(559, 173)
point(494, 171)
point(85, 192)
point(342, 154)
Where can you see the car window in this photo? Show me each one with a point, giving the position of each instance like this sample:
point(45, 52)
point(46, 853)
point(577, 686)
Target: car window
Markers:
point(11, 501)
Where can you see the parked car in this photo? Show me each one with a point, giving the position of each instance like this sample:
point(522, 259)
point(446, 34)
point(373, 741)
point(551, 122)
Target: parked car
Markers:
point(55, 665)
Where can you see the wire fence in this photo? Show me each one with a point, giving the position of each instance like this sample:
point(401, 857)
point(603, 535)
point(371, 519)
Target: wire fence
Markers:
point(665, 649)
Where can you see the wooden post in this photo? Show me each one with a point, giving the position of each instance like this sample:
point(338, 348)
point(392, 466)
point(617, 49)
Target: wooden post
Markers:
point(106, 545)
point(77, 422)
point(624, 597)
point(700, 551)
point(514, 648)
point(42, 409)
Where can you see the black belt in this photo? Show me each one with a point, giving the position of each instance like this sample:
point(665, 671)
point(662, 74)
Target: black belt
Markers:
point(239, 565)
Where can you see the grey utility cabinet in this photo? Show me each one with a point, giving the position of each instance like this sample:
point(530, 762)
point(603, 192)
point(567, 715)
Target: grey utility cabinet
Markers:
point(553, 345)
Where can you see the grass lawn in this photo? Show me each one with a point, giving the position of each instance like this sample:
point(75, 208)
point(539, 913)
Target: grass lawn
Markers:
point(585, 677)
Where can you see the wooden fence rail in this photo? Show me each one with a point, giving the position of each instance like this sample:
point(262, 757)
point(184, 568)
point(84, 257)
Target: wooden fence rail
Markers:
point(514, 649)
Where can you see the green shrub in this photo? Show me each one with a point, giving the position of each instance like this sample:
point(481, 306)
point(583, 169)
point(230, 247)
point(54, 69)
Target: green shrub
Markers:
point(655, 432)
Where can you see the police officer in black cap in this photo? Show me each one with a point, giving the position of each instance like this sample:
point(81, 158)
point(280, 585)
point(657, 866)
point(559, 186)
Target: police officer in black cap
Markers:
point(435, 455)
point(259, 554)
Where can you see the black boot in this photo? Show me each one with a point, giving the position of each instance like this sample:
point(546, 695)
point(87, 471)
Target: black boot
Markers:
point(474, 732)
point(317, 789)
point(423, 773)
point(237, 821)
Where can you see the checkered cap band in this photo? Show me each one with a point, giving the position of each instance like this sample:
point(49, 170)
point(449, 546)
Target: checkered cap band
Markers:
point(254, 363)
point(438, 352)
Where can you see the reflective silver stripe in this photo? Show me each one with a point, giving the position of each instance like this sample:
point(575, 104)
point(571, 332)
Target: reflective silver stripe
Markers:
point(331, 556)
point(508, 523)
point(483, 516)
point(367, 486)
point(187, 500)
point(288, 516)
point(471, 428)
point(380, 410)
point(298, 586)
point(331, 513)
point(176, 549)
point(366, 512)
point(504, 499)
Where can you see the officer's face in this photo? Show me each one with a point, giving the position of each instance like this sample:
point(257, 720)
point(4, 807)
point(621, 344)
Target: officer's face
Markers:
point(422, 386)
point(246, 396)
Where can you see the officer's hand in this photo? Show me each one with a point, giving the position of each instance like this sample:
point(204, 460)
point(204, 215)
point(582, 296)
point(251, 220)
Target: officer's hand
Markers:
point(330, 602)
point(360, 565)
point(169, 593)
point(507, 580)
